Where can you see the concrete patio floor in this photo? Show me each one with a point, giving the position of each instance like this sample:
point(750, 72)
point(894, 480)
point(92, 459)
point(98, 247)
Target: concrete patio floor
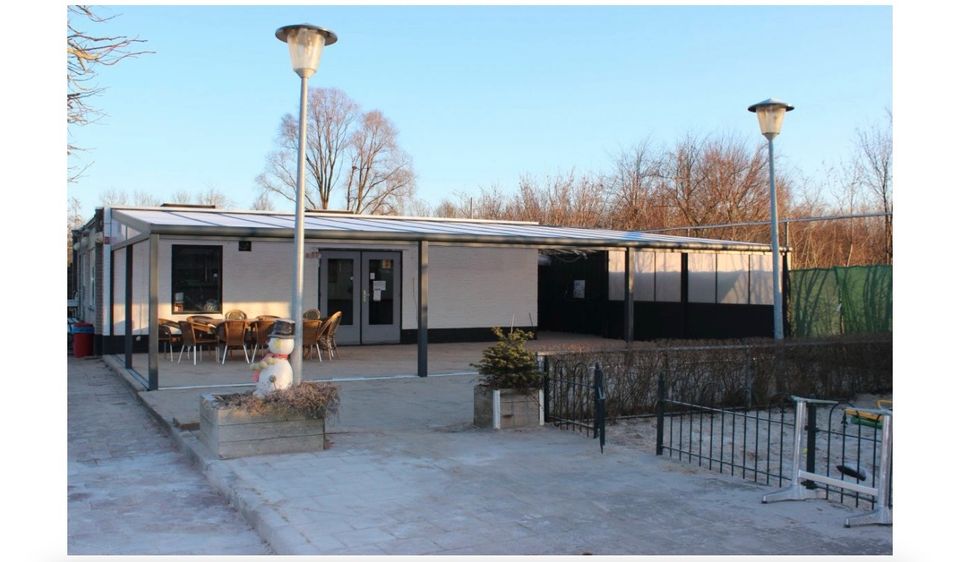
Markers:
point(378, 383)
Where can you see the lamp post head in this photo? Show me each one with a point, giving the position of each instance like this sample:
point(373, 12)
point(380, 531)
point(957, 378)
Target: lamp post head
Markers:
point(306, 44)
point(770, 115)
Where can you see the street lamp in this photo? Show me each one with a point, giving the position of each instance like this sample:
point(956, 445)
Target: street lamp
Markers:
point(306, 43)
point(770, 115)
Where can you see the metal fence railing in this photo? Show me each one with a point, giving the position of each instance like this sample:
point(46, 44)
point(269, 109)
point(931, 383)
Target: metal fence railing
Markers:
point(574, 396)
point(727, 407)
point(751, 444)
point(854, 466)
point(807, 447)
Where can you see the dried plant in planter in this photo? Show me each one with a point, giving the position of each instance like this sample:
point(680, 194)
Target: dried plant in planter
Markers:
point(508, 363)
point(311, 400)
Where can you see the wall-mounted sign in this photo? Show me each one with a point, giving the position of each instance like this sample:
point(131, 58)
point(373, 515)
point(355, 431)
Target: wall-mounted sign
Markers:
point(579, 288)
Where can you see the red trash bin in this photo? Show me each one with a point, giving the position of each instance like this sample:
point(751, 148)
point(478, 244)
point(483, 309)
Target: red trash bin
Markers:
point(82, 339)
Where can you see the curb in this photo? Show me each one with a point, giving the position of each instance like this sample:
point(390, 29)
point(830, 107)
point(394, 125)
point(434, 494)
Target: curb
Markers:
point(266, 521)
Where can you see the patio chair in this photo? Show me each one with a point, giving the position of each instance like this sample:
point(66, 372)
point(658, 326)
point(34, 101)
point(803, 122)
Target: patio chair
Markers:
point(170, 335)
point(201, 319)
point(261, 331)
point(195, 336)
point(235, 314)
point(232, 333)
point(312, 314)
point(328, 338)
point(311, 338)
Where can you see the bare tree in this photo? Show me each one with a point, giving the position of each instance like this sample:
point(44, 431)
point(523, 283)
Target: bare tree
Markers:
point(563, 200)
point(262, 203)
point(74, 221)
point(717, 180)
point(145, 199)
point(490, 203)
point(380, 175)
point(416, 207)
point(873, 168)
point(181, 198)
point(87, 52)
point(114, 198)
point(118, 198)
point(213, 197)
point(632, 189)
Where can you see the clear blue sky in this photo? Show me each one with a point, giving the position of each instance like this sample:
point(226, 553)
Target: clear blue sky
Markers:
point(481, 95)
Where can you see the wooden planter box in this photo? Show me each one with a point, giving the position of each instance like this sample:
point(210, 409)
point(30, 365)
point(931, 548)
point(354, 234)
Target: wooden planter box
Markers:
point(506, 408)
point(230, 433)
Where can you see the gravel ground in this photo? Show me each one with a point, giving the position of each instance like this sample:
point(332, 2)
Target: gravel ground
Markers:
point(641, 433)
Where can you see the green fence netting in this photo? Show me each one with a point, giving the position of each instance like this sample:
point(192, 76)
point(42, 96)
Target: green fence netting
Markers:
point(841, 300)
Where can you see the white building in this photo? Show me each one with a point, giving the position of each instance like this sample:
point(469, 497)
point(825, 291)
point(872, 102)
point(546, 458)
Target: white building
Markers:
point(136, 265)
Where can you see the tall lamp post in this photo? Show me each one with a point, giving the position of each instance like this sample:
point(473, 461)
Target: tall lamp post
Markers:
point(770, 114)
point(306, 43)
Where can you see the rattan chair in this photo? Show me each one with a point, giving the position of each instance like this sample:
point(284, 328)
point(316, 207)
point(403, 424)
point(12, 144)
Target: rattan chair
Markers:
point(312, 314)
point(328, 337)
point(232, 334)
point(195, 336)
point(235, 314)
point(261, 331)
point(170, 335)
point(311, 338)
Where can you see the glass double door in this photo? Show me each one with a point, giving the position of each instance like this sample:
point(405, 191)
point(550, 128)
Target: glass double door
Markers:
point(365, 288)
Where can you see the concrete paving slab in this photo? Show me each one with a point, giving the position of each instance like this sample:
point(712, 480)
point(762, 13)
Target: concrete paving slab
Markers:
point(398, 481)
point(645, 505)
point(129, 489)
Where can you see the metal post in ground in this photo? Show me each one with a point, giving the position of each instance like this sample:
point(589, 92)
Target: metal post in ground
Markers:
point(599, 407)
point(811, 443)
point(546, 388)
point(661, 397)
point(883, 514)
point(795, 491)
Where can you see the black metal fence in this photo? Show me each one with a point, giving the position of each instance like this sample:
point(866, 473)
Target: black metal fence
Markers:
point(752, 444)
point(839, 441)
point(727, 407)
point(846, 447)
point(574, 396)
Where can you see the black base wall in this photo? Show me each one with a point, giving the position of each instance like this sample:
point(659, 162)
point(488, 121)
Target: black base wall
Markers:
point(669, 320)
point(458, 335)
point(113, 345)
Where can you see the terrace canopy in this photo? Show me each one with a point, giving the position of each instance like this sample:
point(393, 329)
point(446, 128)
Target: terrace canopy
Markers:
point(129, 227)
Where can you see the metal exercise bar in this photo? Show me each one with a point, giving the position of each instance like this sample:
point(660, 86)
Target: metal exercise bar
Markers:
point(883, 514)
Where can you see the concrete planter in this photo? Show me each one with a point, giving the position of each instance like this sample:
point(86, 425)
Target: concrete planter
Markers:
point(506, 408)
point(230, 433)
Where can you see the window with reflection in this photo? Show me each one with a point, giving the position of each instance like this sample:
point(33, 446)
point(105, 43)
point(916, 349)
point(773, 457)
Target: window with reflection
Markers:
point(196, 281)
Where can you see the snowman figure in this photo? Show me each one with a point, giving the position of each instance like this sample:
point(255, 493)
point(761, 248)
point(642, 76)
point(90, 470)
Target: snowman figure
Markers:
point(274, 372)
